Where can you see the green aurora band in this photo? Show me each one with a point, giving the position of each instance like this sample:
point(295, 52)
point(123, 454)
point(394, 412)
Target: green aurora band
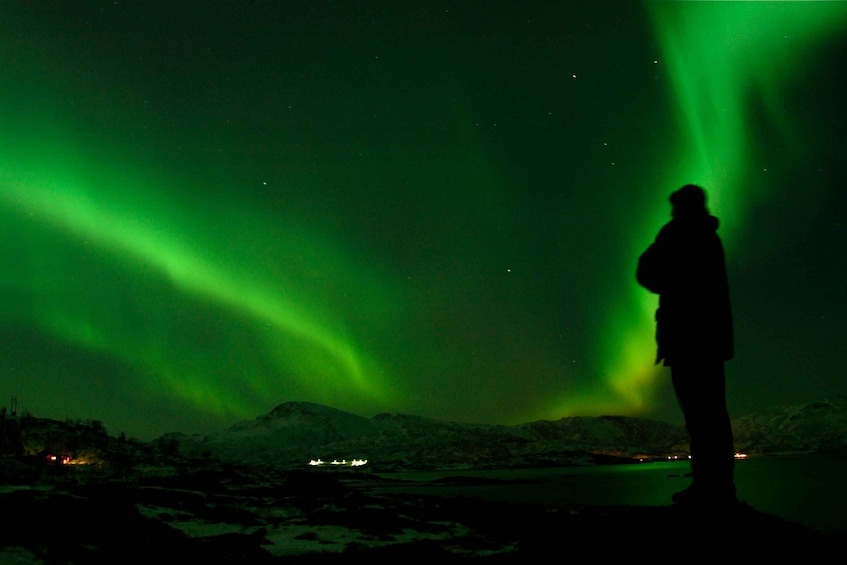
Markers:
point(722, 60)
point(129, 226)
point(181, 292)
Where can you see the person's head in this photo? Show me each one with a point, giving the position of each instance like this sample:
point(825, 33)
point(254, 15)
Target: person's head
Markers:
point(688, 201)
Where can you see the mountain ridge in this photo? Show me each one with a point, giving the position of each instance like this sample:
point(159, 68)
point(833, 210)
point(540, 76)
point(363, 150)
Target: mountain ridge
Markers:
point(296, 432)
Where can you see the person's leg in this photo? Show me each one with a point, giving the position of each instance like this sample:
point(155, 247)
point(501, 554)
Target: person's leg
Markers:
point(701, 392)
point(717, 446)
point(682, 380)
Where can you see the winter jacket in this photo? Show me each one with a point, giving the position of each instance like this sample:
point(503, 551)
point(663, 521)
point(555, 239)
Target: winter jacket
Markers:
point(686, 267)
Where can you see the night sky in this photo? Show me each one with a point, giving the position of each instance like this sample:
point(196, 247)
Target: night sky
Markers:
point(436, 208)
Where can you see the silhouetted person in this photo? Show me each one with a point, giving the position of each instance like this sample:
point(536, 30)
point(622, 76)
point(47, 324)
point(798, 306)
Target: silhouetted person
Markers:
point(685, 266)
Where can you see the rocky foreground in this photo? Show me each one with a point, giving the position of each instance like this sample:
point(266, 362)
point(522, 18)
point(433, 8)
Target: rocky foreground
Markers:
point(314, 517)
point(70, 493)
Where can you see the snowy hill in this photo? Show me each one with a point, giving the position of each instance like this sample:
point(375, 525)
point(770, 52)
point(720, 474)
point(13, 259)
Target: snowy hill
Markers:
point(294, 433)
point(819, 426)
point(298, 424)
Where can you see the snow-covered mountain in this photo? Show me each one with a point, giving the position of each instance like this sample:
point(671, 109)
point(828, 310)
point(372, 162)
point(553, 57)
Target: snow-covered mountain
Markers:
point(818, 426)
point(295, 433)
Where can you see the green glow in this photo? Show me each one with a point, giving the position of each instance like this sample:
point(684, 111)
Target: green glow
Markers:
point(418, 211)
point(721, 58)
point(133, 226)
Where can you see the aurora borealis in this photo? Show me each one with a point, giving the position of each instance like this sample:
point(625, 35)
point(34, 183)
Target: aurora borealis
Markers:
point(208, 209)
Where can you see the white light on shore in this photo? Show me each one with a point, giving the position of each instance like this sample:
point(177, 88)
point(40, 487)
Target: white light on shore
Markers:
point(352, 463)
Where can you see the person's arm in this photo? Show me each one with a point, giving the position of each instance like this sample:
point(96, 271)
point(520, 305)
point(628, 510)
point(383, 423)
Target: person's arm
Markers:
point(651, 272)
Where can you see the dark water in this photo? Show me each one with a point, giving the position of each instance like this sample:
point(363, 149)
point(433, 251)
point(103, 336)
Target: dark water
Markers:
point(809, 489)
